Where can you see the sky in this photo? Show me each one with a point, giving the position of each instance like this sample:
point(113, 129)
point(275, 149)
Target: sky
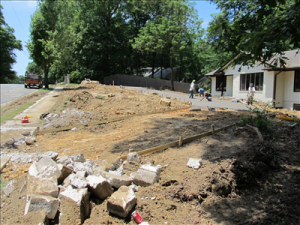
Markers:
point(17, 14)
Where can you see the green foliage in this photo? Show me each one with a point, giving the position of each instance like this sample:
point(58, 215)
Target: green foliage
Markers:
point(100, 97)
point(8, 57)
point(260, 120)
point(5, 117)
point(33, 68)
point(259, 27)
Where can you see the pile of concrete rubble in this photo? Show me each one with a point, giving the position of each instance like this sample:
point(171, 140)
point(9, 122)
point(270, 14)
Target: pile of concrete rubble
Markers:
point(62, 186)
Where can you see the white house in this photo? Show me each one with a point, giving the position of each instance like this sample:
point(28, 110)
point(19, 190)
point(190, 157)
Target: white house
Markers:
point(271, 83)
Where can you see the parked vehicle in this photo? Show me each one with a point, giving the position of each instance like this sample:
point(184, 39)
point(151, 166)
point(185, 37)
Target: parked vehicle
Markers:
point(33, 80)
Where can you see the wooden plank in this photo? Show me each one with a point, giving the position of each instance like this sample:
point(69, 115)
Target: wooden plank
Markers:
point(102, 121)
point(172, 144)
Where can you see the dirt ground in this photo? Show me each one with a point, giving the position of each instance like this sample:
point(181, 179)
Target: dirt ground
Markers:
point(241, 181)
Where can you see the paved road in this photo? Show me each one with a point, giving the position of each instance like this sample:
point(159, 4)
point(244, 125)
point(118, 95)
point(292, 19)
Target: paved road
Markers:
point(12, 91)
point(215, 103)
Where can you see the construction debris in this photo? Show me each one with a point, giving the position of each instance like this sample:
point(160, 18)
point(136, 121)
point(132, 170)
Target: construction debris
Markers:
point(146, 175)
point(122, 202)
point(194, 163)
point(99, 186)
point(165, 102)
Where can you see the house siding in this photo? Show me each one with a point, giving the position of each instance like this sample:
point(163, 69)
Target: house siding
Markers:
point(290, 97)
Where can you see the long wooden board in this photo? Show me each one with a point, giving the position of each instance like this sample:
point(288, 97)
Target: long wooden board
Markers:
point(176, 143)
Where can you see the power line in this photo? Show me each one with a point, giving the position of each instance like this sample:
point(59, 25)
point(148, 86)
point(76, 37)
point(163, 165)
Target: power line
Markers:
point(27, 55)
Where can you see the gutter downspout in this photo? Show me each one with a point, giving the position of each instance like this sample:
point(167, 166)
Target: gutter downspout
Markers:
point(274, 88)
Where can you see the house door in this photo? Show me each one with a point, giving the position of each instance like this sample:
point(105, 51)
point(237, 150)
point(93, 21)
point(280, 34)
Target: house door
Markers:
point(229, 87)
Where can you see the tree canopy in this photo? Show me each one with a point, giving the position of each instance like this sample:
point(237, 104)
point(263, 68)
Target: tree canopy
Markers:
point(8, 44)
point(258, 28)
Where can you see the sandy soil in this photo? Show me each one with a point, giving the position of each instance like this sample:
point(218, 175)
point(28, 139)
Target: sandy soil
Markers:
point(241, 180)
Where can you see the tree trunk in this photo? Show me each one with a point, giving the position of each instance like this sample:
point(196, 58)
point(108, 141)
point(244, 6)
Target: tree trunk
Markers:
point(172, 80)
point(46, 71)
point(161, 65)
point(153, 64)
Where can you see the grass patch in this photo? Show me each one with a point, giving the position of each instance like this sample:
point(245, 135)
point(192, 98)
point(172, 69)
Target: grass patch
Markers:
point(3, 183)
point(46, 89)
point(12, 114)
point(99, 96)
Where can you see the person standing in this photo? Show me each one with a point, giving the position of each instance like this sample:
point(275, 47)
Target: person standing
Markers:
point(250, 94)
point(192, 88)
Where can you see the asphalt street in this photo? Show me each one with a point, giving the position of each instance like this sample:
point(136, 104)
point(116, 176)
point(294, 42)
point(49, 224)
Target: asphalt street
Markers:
point(10, 92)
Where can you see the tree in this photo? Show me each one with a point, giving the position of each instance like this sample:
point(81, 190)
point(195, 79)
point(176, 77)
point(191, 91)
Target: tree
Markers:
point(33, 68)
point(168, 31)
point(42, 23)
point(263, 28)
point(8, 45)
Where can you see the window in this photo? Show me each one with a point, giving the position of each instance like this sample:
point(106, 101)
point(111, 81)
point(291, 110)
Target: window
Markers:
point(220, 80)
point(297, 81)
point(256, 78)
point(297, 107)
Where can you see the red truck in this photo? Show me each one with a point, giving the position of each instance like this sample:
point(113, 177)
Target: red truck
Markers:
point(33, 80)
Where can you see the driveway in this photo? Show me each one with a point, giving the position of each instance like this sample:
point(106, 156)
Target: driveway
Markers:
point(215, 103)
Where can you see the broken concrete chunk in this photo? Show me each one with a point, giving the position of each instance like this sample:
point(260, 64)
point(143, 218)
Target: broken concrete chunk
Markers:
point(30, 140)
point(116, 164)
point(74, 206)
point(77, 181)
point(165, 102)
point(66, 182)
point(194, 163)
point(82, 173)
point(52, 155)
point(44, 168)
point(155, 169)
point(64, 159)
point(98, 170)
point(65, 172)
point(3, 161)
point(25, 133)
point(79, 166)
point(118, 172)
point(99, 186)
point(9, 188)
point(39, 203)
point(134, 187)
point(144, 177)
point(78, 158)
point(42, 186)
point(38, 217)
point(10, 141)
point(116, 180)
point(122, 202)
point(133, 156)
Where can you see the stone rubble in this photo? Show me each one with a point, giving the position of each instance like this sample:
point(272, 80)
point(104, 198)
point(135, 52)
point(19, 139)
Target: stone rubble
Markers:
point(99, 186)
point(194, 163)
point(38, 203)
point(122, 202)
point(65, 172)
point(146, 175)
point(42, 186)
point(44, 168)
point(77, 181)
point(52, 155)
point(133, 156)
point(116, 180)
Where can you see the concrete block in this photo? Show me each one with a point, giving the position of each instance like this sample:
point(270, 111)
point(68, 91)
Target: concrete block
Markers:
point(165, 102)
point(65, 172)
point(30, 140)
point(37, 217)
point(52, 155)
point(99, 186)
point(64, 159)
point(78, 158)
point(122, 202)
point(98, 170)
point(10, 141)
point(79, 166)
point(39, 203)
point(146, 175)
point(9, 188)
point(133, 156)
point(116, 180)
point(77, 181)
point(42, 186)
point(194, 163)
point(74, 206)
point(82, 173)
point(44, 168)
point(118, 171)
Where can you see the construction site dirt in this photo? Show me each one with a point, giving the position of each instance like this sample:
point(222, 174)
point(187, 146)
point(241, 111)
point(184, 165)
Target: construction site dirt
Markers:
point(241, 180)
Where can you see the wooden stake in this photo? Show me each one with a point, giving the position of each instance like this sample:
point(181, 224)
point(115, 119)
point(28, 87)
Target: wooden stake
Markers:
point(180, 141)
point(113, 83)
point(130, 150)
point(213, 129)
point(38, 129)
point(102, 118)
